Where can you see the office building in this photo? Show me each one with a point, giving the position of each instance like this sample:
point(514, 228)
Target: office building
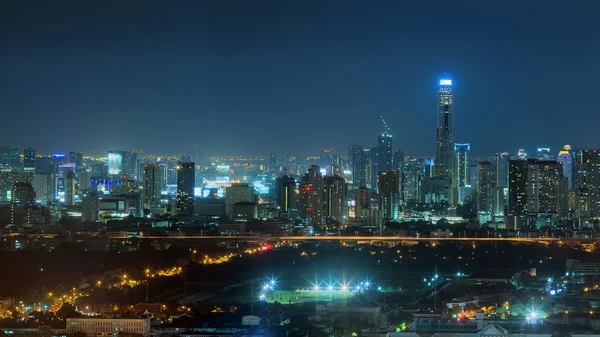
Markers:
point(363, 202)
point(502, 169)
point(285, 193)
point(521, 154)
point(10, 158)
point(389, 195)
point(543, 153)
point(326, 160)
point(69, 188)
point(186, 175)
point(29, 160)
point(76, 158)
point(235, 193)
point(116, 162)
point(486, 187)
point(108, 326)
point(356, 163)
point(370, 157)
point(435, 191)
point(152, 185)
point(311, 197)
point(444, 158)
point(44, 185)
point(244, 211)
point(462, 154)
point(384, 152)
point(335, 198)
point(22, 204)
point(398, 159)
point(91, 207)
point(429, 168)
point(272, 162)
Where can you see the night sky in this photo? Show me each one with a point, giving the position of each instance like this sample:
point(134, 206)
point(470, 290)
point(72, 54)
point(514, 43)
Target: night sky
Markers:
point(260, 77)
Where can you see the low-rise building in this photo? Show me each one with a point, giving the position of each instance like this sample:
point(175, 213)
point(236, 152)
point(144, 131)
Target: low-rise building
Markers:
point(108, 326)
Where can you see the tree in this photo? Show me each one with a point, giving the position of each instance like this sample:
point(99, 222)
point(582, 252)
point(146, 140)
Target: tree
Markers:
point(66, 310)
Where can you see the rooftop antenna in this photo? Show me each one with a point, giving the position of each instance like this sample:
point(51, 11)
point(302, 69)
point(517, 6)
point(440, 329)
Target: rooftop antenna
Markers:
point(385, 126)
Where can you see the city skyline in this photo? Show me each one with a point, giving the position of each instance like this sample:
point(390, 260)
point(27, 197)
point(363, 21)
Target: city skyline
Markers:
point(129, 86)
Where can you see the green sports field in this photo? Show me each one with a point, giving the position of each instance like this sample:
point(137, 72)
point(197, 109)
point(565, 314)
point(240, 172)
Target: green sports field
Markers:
point(300, 296)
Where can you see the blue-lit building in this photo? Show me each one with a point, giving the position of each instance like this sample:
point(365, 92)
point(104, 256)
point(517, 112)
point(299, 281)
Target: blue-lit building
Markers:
point(385, 159)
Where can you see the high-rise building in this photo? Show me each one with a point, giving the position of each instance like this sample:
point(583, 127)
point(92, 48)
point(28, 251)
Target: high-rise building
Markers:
point(356, 163)
point(238, 192)
point(384, 152)
point(272, 162)
point(463, 154)
point(76, 158)
point(444, 159)
point(311, 197)
point(116, 162)
point(502, 169)
point(389, 195)
point(152, 185)
point(186, 174)
point(398, 159)
point(44, 186)
point(537, 191)
point(335, 198)
point(370, 157)
point(434, 191)
point(412, 173)
point(566, 160)
point(22, 203)
point(521, 154)
point(429, 168)
point(69, 188)
point(29, 160)
point(543, 153)
point(587, 177)
point(486, 187)
point(285, 193)
point(326, 160)
point(363, 202)
point(10, 158)
point(91, 207)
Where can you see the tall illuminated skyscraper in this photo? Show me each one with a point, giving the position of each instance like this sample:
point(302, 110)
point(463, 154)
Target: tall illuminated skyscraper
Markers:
point(502, 169)
point(185, 189)
point(462, 153)
point(444, 159)
point(384, 152)
point(356, 162)
point(566, 159)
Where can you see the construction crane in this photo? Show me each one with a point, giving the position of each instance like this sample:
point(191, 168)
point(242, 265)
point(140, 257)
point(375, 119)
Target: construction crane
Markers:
point(386, 128)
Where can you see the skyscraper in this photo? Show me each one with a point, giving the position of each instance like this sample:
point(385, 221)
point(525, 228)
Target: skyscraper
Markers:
point(22, 203)
point(565, 159)
point(537, 191)
point(185, 189)
point(587, 172)
point(335, 198)
point(152, 185)
point(76, 158)
point(311, 197)
point(384, 152)
point(502, 169)
point(370, 157)
point(389, 195)
point(398, 159)
point(444, 159)
point(462, 153)
point(69, 188)
point(543, 153)
point(356, 163)
point(29, 160)
point(10, 158)
point(285, 193)
point(485, 190)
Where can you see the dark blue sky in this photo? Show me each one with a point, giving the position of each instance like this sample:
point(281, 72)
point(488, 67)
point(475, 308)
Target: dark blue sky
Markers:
point(262, 77)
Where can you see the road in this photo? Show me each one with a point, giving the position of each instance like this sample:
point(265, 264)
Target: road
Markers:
point(348, 238)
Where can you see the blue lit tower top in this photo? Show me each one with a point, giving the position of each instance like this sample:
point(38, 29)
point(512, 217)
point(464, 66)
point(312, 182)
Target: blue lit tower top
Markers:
point(444, 159)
